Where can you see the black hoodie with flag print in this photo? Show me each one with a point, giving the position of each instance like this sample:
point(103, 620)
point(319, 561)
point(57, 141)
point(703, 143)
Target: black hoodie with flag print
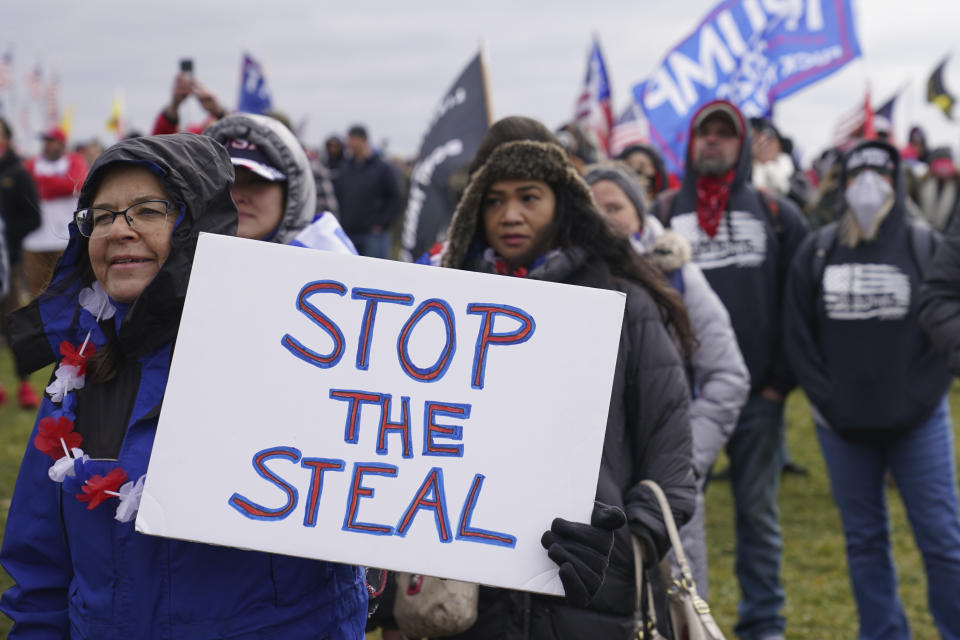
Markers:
point(746, 261)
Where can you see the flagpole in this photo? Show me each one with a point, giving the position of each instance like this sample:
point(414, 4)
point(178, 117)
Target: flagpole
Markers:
point(488, 100)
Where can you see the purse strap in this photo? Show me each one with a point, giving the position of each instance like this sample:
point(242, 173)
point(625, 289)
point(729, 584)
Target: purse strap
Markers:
point(671, 526)
point(643, 584)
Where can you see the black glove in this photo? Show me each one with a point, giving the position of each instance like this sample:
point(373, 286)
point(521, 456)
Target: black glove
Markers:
point(583, 551)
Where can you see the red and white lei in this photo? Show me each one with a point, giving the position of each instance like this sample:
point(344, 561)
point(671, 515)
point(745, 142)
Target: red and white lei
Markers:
point(56, 436)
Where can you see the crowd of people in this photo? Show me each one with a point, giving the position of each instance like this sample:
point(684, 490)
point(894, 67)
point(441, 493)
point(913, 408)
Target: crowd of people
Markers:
point(745, 278)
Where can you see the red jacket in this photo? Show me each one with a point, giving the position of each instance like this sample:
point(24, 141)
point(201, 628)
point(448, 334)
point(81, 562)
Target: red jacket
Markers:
point(62, 185)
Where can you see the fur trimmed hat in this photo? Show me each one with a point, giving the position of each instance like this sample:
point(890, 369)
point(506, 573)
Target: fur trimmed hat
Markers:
point(515, 160)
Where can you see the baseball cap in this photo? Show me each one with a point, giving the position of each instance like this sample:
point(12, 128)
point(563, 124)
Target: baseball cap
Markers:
point(246, 154)
point(876, 156)
point(54, 133)
point(720, 108)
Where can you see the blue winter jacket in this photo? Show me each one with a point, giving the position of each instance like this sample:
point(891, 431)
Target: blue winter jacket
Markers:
point(80, 573)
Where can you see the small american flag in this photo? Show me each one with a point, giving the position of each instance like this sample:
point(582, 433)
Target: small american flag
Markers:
point(857, 123)
point(51, 102)
point(593, 110)
point(631, 128)
point(35, 83)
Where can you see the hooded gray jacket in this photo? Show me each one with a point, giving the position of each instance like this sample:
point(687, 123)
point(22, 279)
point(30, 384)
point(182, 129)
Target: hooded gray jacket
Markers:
point(720, 378)
point(300, 225)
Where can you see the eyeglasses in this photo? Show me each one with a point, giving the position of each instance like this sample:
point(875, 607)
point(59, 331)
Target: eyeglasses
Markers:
point(143, 217)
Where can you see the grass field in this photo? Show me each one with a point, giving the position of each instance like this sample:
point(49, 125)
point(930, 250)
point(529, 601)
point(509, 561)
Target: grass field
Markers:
point(819, 602)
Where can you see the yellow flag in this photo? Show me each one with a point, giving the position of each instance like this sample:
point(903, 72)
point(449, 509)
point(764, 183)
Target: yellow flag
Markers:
point(115, 122)
point(66, 122)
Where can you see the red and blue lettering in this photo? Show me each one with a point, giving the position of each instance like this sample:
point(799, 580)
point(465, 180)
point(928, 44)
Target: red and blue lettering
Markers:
point(358, 491)
point(436, 370)
point(386, 426)
point(430, 495)
point(433, 430)
point(487, 337)
point(373, 297)
point(474, 534)
point(254, 511)
point(317, 467)
point(355, 399)
point(296, 347)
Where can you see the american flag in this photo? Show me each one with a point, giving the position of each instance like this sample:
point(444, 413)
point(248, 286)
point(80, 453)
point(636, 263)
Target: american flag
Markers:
point(51, 102)
point(631, 128)
point(857, 123)
point(593, 110)
point(35, 83)
point(6, 62)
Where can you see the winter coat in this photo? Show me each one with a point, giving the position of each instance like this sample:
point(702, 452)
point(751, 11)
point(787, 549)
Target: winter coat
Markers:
point(301, 225)
point(80, 573)
point(19, 205)
point(940, 298)
point(720, 379)
point(852, 333)
point(368, 193)
point(745, 263)
point(647, 433)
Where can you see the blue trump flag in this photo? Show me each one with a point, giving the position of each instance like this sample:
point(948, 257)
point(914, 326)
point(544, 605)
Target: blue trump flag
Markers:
point(254, 94)
point(750, 52)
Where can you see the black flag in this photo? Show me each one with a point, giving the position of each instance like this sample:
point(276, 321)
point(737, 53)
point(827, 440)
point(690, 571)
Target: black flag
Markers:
point(937, 93)
point(456, 129)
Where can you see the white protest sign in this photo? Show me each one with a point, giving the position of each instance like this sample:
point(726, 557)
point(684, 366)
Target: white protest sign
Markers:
point(379, 413)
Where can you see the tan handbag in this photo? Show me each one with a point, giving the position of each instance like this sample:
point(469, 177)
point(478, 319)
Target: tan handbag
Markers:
point(690, 616)
point(428, 607)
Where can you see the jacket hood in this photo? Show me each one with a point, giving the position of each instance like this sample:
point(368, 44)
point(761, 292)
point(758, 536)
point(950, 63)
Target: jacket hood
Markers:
point(662, 178)
point(285, 152)
point(743, 168)
point(197, 174)
point(516, 160)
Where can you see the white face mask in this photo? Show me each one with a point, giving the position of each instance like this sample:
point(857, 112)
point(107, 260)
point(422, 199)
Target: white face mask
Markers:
point(867, 196)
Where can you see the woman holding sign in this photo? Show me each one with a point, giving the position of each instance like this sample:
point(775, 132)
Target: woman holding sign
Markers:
point(527, 213)
point(110, 315)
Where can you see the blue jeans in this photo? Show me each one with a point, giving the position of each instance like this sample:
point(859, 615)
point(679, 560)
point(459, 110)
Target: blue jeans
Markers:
point(755, 464)
point(374, 244)
point(922, 463)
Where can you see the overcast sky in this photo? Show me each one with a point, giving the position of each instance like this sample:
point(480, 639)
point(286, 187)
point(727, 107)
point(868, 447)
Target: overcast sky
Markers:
point(387, 63)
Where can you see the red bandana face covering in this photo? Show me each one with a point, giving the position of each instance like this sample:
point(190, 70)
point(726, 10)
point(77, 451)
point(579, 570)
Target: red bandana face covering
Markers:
point(713, 192)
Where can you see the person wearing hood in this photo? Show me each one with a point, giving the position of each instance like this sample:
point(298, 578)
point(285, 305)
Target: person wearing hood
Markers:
point(647, 163)
point(877, 389)
point(275, 190)
point(718, 376)
point(744, 240)
point(527, 213)
point(111, 315)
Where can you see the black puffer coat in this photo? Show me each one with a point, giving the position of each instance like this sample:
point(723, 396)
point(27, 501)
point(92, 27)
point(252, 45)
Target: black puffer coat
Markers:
point(648, 436)
point(648, 426)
